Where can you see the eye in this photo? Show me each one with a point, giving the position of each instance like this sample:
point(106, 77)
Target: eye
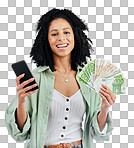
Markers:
point(67, 32)
point(54, 34)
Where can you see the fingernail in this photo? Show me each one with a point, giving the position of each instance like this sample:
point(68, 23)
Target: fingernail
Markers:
point(23, 74)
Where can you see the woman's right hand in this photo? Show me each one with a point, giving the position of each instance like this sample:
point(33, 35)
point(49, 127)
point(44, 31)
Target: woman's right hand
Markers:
point(22, 91)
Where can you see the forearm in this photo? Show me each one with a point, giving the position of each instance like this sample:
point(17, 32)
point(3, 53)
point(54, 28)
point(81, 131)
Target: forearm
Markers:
point(102, 117)
point(21, 116)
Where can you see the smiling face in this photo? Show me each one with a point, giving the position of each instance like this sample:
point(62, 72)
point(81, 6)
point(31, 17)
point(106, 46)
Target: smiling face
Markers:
point(61, 37)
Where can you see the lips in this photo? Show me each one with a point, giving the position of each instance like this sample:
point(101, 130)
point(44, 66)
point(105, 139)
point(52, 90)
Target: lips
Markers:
point(62, 45)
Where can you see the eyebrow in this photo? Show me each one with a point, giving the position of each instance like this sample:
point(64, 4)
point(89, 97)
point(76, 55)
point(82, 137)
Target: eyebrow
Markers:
point(57, 29)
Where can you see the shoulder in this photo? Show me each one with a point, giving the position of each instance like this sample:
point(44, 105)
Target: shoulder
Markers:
point(36, 72)
point(39, 69)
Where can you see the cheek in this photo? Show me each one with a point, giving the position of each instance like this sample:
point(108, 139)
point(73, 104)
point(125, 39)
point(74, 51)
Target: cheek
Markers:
point(51, 41)
point(71, 39)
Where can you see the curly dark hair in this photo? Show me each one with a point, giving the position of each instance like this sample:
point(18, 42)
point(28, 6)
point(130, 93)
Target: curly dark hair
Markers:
point(41, 52)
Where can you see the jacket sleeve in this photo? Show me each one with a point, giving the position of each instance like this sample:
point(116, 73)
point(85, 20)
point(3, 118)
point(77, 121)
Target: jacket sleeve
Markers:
point(10, 120)
point(94, 127)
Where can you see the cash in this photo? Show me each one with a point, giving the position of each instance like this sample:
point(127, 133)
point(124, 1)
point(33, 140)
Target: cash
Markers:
point(101, 71)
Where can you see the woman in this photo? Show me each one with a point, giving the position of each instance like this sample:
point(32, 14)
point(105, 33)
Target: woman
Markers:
point(52, 116)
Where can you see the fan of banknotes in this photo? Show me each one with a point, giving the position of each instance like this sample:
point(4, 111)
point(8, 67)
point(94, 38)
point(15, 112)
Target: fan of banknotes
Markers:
point(101, 71)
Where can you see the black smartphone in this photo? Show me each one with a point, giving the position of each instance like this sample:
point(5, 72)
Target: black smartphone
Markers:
point(20, 68)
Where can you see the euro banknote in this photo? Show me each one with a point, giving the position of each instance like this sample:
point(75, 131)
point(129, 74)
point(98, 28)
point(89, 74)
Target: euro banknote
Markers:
point(100, 71)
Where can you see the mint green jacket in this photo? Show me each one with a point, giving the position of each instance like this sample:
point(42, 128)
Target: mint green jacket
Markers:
point(38, 106)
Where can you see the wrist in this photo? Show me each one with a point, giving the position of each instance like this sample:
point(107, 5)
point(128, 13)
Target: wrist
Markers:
point(21, 105)
point(104, 110)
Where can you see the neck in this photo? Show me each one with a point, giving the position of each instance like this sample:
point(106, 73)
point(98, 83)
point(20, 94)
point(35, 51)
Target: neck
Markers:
point(63, 65)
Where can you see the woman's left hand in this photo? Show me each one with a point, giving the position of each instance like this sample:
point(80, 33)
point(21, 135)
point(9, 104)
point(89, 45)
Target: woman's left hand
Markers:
point(108, 98)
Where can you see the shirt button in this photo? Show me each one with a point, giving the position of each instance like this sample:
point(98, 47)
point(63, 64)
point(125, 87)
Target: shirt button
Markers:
point(67, 109)
point(66, 118)
point(67, 100)
point(62, 136)
point(64, 127)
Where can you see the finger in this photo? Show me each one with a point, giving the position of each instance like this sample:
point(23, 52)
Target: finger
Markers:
point(30, 92)
point(30, 87)
point(113, 96)
point(27, 82)
point(107, 96)
point(23, 84)
point(104, 100)
point(106, 87)
point(23, 93)
point(18, 79)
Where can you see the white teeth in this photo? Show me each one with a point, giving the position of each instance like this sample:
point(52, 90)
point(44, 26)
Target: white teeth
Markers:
point(63, 45)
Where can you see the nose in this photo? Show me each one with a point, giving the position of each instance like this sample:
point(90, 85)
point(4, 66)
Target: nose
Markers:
point(61, 37)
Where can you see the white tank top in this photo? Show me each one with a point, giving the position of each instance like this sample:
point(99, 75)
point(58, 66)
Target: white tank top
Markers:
point(65, 118)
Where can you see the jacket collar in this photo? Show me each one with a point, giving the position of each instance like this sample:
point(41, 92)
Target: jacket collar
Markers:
point(44, 68)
